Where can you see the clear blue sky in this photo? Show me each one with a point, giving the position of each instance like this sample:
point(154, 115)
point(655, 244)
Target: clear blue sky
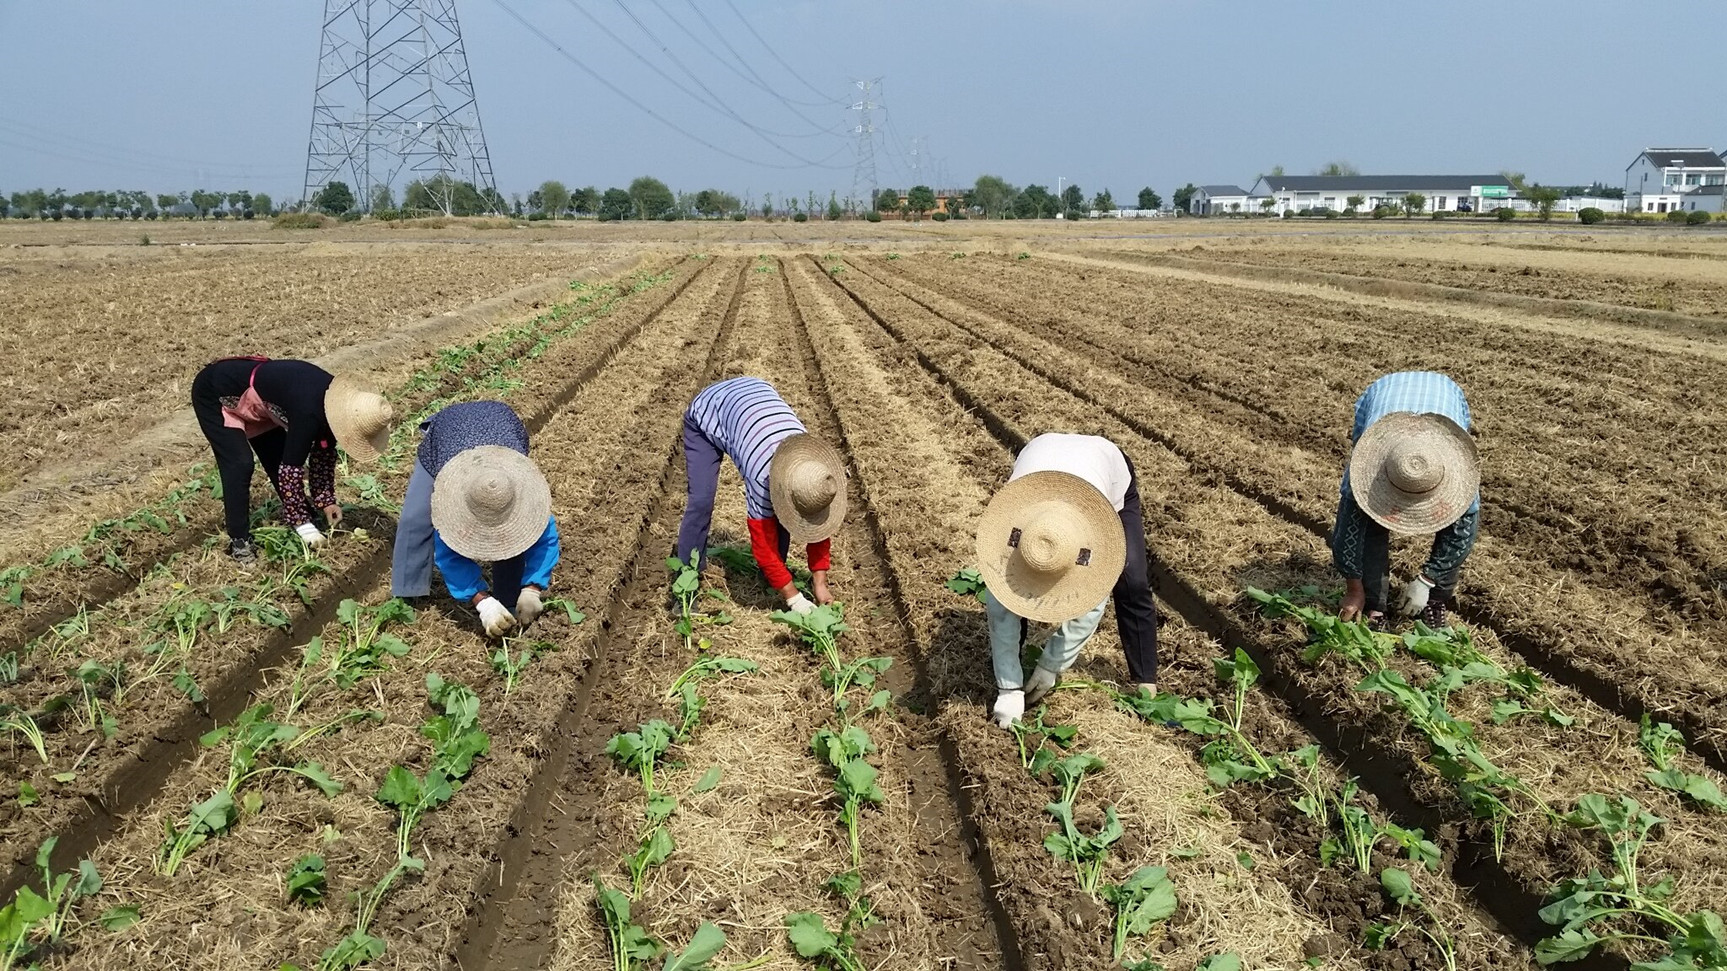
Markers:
point(125, 94)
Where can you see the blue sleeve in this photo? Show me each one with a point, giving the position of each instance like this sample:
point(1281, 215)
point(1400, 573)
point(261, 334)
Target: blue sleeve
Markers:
point(461, 575)
point(1360, 414)
point(538, 561)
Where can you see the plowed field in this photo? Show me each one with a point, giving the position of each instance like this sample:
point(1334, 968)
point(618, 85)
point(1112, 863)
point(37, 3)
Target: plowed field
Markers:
point(197, 733)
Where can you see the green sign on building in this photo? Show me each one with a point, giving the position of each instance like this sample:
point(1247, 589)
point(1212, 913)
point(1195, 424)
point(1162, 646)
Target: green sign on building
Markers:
point(1495, 191)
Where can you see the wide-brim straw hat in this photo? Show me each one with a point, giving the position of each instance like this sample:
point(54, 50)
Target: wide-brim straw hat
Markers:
point(1050, 546)
point(490, 503)
point(807, 484)
point(1414, 473)
point(359, 416)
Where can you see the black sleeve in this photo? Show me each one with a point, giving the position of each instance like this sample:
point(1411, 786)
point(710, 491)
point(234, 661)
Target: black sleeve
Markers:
point(297, 387)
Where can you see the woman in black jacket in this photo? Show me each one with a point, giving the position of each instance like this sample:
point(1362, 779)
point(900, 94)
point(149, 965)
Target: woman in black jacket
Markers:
point(292, 414)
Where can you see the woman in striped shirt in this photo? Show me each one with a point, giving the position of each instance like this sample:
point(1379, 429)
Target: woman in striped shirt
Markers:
point(794, 484)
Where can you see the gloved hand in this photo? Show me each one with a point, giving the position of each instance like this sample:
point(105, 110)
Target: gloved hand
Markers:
point(1009, 707)
point(528, 605)
point(495, 617)
point(1041, 682)
point(310, 535)
point(800, 604)
point(1414, 598)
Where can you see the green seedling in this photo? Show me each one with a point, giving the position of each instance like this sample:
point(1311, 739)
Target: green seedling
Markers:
point(1302, 766)
point(642, 750)
point(819, 630)
point(1588, 910)
point(968, 583)
point(1227, 961)
point(12, 584)
point(510, 662)
point(44, 917)
point(1400, 887)
point(1359, 831)
point(1023, 256)
point(1353, 640)
point(854, 778)
point(1240, 673)
point(1030, 734)
point(14, 721)
point(372, 492)
point(813, 941)
point(709, 667)
point(1664, 744)
point(1231, 756)
point(1087, 853)
point(306, 881)
point(631, 946)
point(252, 739)
point(571, 612)
point(8, 668)
point(96, 680)
point(365, 645)
point(687, 588)
point(1143, 899)
point(355, 716)
point(257, 608)
point(655, 848)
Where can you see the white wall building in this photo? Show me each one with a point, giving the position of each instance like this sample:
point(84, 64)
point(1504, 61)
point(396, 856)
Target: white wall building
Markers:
point(1578, 203)
point(1658, 179)
point(1218, 200)
point(1449, 193)
point(1707, 198)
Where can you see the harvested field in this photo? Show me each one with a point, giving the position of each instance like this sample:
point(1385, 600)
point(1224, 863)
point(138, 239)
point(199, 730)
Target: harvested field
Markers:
point(1595, 606)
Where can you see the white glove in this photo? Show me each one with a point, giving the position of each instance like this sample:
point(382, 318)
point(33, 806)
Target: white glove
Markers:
point(496, 619)
point(528, 606)
point(1009, 706)
point(800, 604)
point(310, 535)
point(1040, 683)
point(1414, 598)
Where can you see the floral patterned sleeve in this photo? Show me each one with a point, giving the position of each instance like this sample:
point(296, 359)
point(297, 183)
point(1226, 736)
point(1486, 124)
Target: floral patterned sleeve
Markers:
point(291, 486)
point(322, 467)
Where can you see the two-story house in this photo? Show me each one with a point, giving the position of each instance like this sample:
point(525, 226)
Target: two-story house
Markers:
point(1659, 178)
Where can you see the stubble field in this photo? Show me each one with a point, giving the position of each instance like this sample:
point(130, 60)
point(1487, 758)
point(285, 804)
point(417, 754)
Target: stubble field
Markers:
point(1225, 368)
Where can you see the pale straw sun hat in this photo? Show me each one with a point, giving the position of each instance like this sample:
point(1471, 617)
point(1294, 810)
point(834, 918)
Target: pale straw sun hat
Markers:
point(1050, 547)
point(1414, 473)
point(490, 503)
point(359, 416)
point(807, 484)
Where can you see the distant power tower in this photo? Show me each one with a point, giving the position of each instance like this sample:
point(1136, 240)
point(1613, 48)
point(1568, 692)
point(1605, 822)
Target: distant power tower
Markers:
point(394, 98)
point(863, 177)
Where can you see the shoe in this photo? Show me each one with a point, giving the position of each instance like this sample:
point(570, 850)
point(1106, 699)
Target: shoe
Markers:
point(242, 552)
point(1435, 616)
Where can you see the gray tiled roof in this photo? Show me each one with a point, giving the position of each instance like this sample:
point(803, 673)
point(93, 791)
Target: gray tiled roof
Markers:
point(1380, 183)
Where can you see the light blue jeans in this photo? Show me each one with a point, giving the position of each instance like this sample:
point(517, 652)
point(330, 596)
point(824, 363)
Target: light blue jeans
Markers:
point(1007, 635)
point(411, 565)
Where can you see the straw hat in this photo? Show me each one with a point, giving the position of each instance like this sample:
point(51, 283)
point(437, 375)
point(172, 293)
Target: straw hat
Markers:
point(359, 416)
point(807, 483)
point(1050, 546)
point(1414, 473)
point(490, 503)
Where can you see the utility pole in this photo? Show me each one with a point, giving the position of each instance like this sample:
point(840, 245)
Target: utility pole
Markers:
point(863, 176)
point(1060, 210)
point(394, 96)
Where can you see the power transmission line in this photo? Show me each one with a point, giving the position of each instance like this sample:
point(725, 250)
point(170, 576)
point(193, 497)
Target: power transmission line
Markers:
point(121, 154)
point(747, 73)
point(776, 55)
point(638, 105)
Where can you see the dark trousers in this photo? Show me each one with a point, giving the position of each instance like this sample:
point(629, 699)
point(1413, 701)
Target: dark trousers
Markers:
point(1361, 550)
point(234, 453)
point(1135, 610)
point(702, 460)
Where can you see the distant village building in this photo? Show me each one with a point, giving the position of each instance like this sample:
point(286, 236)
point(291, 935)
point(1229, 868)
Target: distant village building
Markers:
point(1441, 193)
point(1708, 198)
point(1217, 200)
point(1662, 179)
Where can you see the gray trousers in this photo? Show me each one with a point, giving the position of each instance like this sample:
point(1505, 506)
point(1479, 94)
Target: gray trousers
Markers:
point(411, 566)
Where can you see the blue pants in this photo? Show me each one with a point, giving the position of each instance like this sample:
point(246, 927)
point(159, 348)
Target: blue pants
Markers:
point(1361, 550)
point(411, 564)
point(702, 460)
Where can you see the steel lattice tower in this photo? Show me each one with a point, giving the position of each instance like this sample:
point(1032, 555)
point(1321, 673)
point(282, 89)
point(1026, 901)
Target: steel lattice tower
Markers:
point(394, 99)
point(863, 176)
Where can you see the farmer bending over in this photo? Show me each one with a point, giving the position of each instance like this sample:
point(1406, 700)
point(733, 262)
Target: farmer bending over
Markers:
point(1063, 536)
point(474, 497)
point(1413, 469)
point(292, 415)
point(794, 483)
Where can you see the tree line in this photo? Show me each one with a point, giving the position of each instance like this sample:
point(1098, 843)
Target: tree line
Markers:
point(134, 204)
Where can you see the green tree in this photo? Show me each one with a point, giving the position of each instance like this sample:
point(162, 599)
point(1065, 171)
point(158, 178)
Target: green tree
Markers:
point(920, 199)
point(1034, 202)
point(1072, 197)
point(554, 198)
point(994, 195)
point(585, 200)
point(1338, 167)
point(615, 204)
point(887, 200)
point(1513, 178)
point(1267, 204)
point(334, 198)
point(444, 194)
point(835, 211)
point(1103, 201)
point(1149, 199)
point(1542, 197)
point(1183, 197)
point(1275, 173)
point(383, 197)
point(1354, 203)
point(651, 197)
point(166, 202)
point(1413, 203)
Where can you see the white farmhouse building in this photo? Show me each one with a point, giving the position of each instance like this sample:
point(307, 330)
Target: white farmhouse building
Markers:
point(1217, 200)
point(1659, 178)
point(1707, 198)
point(1450, 193)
